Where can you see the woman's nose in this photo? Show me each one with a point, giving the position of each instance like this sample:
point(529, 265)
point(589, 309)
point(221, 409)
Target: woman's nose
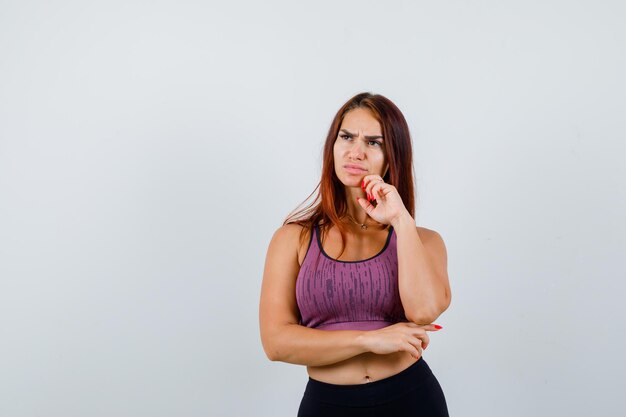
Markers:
point(357, 149)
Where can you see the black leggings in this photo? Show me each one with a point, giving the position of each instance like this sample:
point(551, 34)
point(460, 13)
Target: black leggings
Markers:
point(413, 392)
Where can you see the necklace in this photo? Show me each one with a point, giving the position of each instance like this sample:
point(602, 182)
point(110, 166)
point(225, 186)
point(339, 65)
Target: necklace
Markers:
point(363, 225)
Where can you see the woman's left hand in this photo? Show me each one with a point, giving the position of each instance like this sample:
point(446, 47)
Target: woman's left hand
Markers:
point(389, 205)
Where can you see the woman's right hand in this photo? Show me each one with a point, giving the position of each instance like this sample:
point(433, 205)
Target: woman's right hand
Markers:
point(399, 337)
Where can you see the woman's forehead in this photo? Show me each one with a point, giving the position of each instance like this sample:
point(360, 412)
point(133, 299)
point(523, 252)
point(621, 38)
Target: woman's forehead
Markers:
point(361, 121)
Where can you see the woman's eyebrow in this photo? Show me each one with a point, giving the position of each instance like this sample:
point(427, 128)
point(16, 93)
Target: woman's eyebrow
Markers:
point(366, 137)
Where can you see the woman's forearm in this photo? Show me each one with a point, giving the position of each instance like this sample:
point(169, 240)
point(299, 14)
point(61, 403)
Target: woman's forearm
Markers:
point(297, 344)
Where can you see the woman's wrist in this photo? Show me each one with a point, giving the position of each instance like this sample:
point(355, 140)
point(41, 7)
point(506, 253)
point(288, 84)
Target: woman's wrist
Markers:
point(402, 220)
point(361, 341)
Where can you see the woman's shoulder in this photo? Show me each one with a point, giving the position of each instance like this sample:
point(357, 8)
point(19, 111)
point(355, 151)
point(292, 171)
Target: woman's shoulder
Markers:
point(433, 241)
point(289, 231)
point(425, 233)
point(294, 235)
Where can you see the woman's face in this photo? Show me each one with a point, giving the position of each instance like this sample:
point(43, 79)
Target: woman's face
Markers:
point(358, 149)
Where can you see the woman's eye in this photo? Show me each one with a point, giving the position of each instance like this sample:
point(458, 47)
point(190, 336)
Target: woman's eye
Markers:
point(376, 143)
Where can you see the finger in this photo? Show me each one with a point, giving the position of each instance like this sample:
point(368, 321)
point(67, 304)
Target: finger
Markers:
point(415, 351)
point(423, 337)
point(373, 190)
point(363, 185)
point(365, 204)
point(370, 181)
point(371, 197)
point(380, 193)
point(366, 182)
point(416, 343)
point(377, 194)
point(430, 327)
point(366, 189)
point(374, 187)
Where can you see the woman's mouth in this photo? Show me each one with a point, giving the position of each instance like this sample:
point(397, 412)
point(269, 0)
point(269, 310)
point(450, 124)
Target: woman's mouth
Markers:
point(354, 169)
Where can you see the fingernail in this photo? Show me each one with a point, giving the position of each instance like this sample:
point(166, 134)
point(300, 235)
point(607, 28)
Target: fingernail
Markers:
point(363, 184)
point(437, 326)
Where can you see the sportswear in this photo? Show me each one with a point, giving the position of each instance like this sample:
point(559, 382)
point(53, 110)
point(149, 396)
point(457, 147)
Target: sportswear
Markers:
point(349, 295)
point(413, 392)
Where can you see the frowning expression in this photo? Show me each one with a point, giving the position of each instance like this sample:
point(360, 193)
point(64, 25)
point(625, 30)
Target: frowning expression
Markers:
point(359, 149)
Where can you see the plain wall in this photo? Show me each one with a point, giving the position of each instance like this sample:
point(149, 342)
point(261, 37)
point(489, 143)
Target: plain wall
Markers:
point(149, 150)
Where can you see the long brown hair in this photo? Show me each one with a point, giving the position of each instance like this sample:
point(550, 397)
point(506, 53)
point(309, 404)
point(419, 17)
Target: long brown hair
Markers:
point(329, 204)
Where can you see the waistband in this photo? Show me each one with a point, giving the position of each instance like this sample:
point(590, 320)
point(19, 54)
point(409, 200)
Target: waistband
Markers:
point(371, 393)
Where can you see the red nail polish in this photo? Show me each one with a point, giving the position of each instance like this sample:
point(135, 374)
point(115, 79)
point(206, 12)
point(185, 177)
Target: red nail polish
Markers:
point(363, 184)
point(437, 326)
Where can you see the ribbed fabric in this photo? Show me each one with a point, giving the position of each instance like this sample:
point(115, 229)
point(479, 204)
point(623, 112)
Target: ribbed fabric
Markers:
point(349, 295)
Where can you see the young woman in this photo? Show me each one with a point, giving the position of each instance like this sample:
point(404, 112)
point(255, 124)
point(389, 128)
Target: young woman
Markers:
point(351, 286)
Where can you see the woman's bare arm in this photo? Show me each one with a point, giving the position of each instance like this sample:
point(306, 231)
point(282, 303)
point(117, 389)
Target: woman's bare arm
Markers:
point(282, 337)
point(301, 345)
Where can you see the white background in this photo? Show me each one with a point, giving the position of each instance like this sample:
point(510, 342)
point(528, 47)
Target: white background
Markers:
point(149, 150)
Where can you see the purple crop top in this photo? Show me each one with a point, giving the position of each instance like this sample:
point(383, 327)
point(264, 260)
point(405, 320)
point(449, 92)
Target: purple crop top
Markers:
point(349, 295)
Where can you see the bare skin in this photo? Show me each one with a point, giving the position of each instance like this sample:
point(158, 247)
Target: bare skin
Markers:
point(368, 366)
point(341, 356)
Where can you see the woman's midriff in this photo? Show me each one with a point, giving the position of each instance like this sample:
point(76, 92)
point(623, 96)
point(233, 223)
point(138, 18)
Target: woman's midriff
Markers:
point(363, 368)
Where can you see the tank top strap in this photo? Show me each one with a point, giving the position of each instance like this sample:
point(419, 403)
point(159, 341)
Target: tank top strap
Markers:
point(313, 249)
